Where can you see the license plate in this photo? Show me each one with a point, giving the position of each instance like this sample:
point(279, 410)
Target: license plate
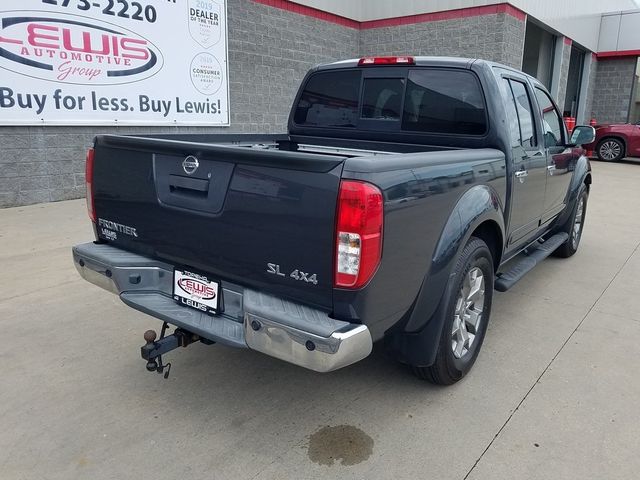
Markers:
point(196, 291)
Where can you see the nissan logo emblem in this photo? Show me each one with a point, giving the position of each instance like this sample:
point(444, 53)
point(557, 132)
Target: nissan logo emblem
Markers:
point(190, 165)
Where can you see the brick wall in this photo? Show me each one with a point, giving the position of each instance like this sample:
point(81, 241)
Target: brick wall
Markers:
point(565, 59)
point(497, 37)
point(590, 94)
point(613, 89)
point(270, 50)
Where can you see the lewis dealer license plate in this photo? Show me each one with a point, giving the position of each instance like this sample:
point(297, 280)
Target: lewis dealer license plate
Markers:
point(196, 291)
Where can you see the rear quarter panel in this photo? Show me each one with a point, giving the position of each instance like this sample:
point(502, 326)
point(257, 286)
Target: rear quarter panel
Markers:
point(421, 192)
point(633, 140)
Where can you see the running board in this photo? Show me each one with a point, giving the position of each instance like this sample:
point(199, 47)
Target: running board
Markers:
point(534, 255)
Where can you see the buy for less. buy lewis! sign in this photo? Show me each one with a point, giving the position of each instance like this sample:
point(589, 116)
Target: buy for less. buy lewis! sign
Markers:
point(81, 62)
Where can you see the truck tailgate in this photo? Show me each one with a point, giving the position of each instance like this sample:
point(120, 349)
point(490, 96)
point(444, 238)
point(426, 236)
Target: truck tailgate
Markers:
point(239, 211)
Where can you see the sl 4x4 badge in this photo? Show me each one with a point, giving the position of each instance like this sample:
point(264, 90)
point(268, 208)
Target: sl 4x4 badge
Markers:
point(298, 275)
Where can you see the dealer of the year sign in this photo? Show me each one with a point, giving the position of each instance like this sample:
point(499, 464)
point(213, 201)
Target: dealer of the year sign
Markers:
point(113, 62)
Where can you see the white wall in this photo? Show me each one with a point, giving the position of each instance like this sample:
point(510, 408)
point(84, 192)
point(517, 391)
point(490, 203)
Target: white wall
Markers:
point(577, 19)
point(345, 8)
point(620, 31)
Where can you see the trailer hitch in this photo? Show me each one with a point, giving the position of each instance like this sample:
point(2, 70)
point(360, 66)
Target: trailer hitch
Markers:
point(153, 350)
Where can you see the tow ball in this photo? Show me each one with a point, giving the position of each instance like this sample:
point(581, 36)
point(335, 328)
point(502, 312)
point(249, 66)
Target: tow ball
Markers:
point(153, 350)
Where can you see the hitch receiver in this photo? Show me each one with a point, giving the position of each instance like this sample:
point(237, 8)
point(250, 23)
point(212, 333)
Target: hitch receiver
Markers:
point(153, 350)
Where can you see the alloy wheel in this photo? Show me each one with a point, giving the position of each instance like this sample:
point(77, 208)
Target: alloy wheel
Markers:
point(610, 150)
point(468, 313)
point(577, 224)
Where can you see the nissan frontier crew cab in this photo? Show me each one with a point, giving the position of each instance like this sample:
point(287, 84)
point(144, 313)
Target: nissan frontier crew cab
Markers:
point(387, 213)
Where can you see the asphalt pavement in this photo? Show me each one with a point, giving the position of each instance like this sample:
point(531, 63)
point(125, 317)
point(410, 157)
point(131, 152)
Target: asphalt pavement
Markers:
point(554, 393)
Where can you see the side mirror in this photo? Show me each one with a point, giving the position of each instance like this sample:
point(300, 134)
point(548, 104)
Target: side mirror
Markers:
point(582, 135)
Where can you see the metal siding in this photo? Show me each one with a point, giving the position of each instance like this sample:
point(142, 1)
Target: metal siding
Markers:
point(609, 28)
point(364, 10)
point(350, 9)
point(576, 19)
point(619, 33)
point(629, 38)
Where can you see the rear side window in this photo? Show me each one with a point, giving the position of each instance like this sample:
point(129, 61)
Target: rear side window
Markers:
point(512, 113)
point(525, 113)
point(330, 99)
point(444, 101)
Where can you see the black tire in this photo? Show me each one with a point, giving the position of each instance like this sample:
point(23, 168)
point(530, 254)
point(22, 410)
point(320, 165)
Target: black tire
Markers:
point(568, 248)
point(610, 150)
point(448, 368)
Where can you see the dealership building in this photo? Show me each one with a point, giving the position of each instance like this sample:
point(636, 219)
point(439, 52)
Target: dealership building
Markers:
point(254, 53)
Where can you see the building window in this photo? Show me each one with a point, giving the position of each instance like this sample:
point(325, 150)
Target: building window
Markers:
point(574, 81)
point(539, 53)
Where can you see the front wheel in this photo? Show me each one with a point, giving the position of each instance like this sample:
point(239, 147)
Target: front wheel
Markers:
point(467, 307)
point(574, 226)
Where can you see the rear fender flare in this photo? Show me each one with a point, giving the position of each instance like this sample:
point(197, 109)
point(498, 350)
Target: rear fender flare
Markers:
point(478, 205)
point(418, 342)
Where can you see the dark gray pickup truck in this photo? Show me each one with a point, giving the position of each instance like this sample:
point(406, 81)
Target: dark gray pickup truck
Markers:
point(387, 213)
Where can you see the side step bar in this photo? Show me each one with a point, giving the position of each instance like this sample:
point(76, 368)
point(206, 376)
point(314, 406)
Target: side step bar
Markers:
point(533, 256)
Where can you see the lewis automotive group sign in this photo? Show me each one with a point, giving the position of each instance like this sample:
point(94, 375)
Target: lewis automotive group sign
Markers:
point(112, 62)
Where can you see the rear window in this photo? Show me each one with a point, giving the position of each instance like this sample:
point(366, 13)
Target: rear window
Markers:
point(330, 99)
point(444, 101)
point(382, 98)
point(428, 100)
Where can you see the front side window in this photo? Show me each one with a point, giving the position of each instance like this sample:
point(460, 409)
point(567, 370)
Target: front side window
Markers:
point(330, 99)
point(551, 120)
point(444, 101)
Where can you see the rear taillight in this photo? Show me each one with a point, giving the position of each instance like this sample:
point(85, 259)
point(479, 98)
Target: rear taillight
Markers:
point(89, 182)
point(386, 61)
point(358, 233)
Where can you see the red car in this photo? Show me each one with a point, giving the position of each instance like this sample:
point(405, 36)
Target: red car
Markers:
point(616, 141)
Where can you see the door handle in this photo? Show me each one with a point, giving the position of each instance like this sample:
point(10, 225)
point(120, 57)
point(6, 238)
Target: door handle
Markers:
point(521, 174)
point(551, 169)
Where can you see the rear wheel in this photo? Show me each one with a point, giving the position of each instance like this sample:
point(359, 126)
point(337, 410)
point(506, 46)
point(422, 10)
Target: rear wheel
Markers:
point(466, 309)
point(610, 150)
point(574, 226)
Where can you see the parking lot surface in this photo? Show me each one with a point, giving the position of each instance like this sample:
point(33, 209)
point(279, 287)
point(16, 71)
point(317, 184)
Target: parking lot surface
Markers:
point(554, 393)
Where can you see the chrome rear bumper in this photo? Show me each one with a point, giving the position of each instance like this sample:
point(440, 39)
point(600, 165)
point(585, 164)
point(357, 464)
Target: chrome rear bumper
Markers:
point(282, 329)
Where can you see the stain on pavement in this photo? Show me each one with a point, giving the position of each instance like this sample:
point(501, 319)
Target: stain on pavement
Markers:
point(343, 443)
